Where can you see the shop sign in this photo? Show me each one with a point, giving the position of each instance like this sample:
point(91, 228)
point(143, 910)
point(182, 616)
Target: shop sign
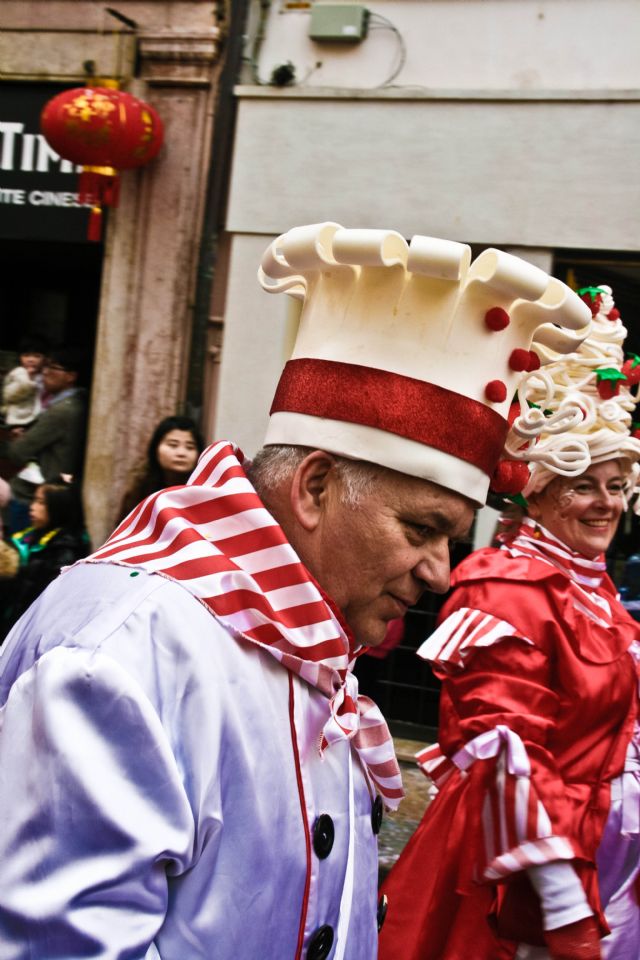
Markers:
point(38, 190)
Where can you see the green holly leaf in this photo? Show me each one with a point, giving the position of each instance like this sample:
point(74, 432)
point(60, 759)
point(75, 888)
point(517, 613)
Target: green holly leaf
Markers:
point(592, 291)
point(635, 360)
point(609, 373)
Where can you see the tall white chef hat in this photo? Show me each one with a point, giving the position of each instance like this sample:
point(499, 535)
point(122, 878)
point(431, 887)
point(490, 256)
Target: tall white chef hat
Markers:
point(408, 355)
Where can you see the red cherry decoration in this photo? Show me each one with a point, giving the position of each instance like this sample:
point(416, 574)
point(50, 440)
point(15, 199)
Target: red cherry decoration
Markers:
point(534, 361)
point(510, 477)
point(593, 302)
point(613, 315)
point(519, 360)
point(608, 389)
point(495, 391)
point(631, 370)
point(608, 380)
point(497, 319)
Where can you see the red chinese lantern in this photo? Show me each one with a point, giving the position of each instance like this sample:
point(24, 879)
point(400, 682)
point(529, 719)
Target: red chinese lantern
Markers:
point(105, 131)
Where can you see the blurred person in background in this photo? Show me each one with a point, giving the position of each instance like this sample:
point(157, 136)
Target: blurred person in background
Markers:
point(22, 387)
point(54, 444)
point(172, 454)
point(531, 849)
point(33, 557)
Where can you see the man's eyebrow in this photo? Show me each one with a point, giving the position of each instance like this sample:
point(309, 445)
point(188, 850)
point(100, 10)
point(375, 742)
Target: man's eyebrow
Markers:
point(448, 526)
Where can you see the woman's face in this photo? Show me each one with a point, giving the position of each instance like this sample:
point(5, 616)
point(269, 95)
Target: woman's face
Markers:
point(584, 511)
point(38, 513)
point(177, 452)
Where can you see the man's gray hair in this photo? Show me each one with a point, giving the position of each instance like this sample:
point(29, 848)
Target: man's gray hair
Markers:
point(276, 464)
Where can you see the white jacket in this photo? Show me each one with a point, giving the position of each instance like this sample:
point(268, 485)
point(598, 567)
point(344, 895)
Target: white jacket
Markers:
point(21, 397)
point(160, 782)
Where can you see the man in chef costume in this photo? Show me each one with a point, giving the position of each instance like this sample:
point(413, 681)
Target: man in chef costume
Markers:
point(186, 767)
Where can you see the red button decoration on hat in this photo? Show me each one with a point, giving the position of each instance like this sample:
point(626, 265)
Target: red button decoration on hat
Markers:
point(104, 130)
point(495, 391)
point(524, 360)
point(534, 361)
point(497, 318)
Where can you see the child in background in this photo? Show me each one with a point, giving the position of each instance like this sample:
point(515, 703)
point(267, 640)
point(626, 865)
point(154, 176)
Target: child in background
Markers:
point(22, 387)
point(55, 539)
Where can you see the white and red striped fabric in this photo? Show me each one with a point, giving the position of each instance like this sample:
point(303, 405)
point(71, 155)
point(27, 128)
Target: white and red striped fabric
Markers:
point(534, 540)
point(215, 538)
point(516, 828)
point(462, 632)
point(466, 628)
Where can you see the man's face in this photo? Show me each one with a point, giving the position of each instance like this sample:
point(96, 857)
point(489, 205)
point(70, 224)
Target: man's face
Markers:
point(55, 378)
point(376, 558)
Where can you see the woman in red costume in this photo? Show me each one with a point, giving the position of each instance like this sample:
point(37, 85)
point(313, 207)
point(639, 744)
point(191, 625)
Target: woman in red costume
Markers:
point(531, 850)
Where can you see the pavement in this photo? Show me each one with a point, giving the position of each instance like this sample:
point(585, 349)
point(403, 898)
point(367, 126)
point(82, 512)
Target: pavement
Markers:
point(398, 827)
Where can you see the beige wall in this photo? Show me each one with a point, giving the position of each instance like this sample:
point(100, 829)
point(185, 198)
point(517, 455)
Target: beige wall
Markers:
point(466, 45)
point(513, 171)
point(511, 122)
point(153, 237)
point(256, 345)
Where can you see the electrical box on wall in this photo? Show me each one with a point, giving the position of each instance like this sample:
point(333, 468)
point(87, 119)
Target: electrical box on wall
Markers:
point(338, 22)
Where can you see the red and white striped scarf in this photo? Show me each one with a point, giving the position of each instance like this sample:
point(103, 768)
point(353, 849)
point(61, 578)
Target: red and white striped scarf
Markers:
point(534, 540)
point(215, 537)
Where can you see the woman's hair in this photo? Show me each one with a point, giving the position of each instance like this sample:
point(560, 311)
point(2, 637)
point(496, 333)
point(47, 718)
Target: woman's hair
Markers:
point(64, 505)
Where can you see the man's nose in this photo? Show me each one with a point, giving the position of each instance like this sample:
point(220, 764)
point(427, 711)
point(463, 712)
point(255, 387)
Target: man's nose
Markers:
point(434, 567)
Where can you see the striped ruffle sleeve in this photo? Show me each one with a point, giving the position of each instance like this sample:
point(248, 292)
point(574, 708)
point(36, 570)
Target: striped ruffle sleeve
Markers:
point(515, 829)
point(463, 631)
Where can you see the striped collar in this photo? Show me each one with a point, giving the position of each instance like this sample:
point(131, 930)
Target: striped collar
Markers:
point(535, 540)
point(215, 537)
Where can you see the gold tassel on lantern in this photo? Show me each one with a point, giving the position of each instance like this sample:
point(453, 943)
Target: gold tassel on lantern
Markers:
point(99, 186)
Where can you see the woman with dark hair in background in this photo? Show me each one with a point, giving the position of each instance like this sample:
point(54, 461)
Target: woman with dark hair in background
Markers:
point(56, 538)
point(172, 454)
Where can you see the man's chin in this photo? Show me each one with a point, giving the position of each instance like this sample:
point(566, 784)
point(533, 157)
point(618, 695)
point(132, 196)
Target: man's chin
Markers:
point(371, 635)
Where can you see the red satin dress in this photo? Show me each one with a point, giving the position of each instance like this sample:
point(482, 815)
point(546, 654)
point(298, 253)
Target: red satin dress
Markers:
point(538, 706)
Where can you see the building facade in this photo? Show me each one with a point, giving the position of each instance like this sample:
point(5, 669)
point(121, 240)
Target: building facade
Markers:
point(512, 123)
point(129, 300)
point(509, 123)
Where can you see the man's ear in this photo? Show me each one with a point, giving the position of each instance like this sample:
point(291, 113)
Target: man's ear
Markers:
point(309, 488)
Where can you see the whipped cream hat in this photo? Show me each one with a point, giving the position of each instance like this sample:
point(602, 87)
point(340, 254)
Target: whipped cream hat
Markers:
point(408, 355)
point(598, 380)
